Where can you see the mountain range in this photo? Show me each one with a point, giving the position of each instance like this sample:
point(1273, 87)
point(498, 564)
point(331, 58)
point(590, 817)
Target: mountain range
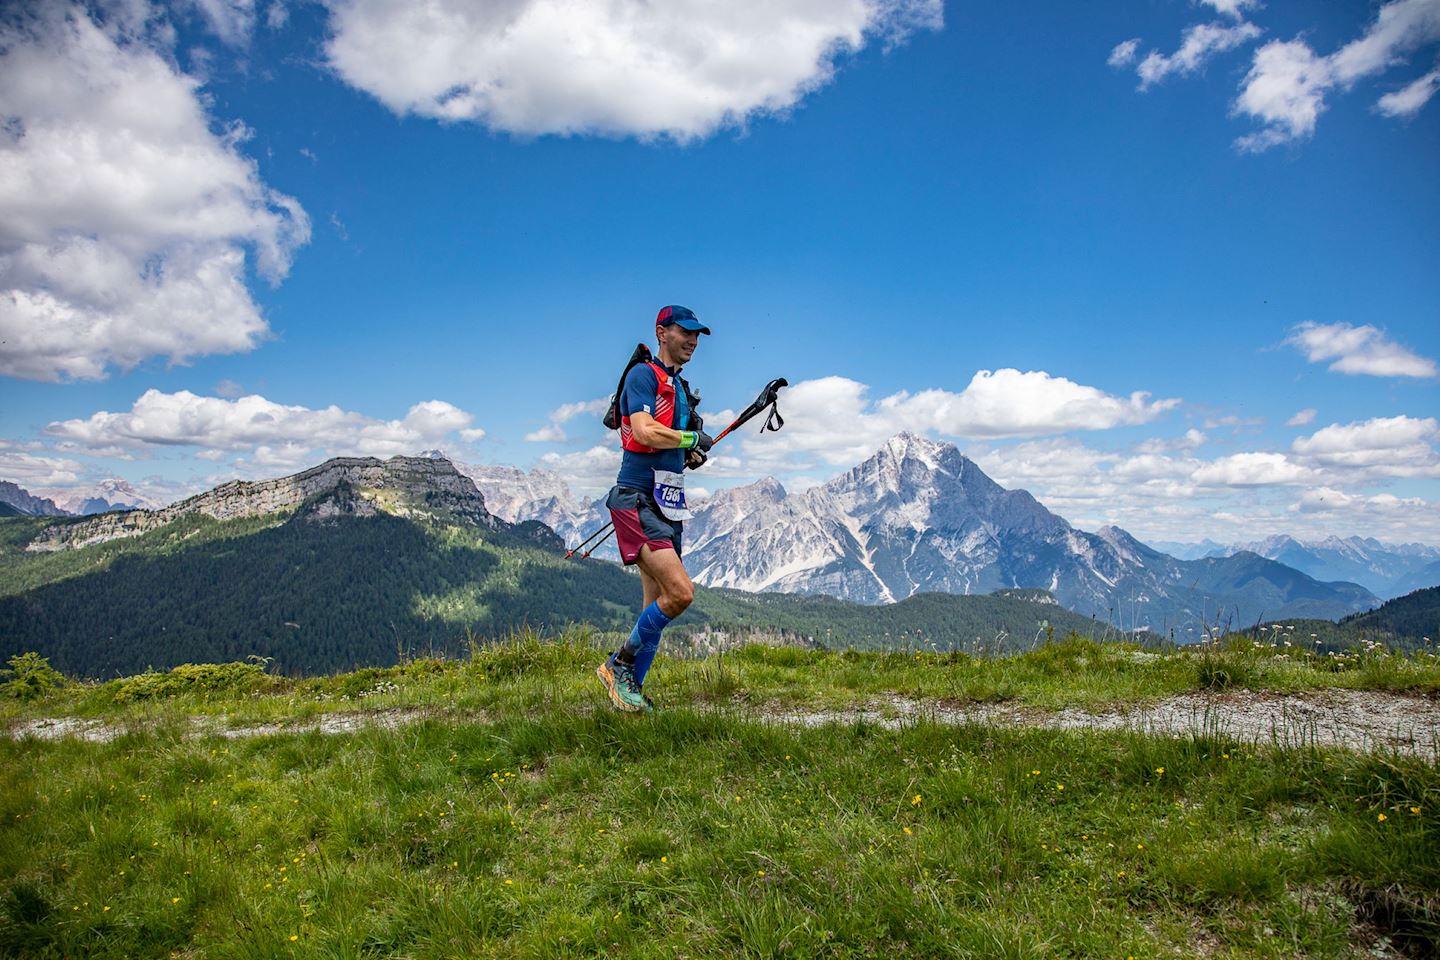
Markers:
point(916, 517)
point(1388, 570)
point(919, 516)
point(361, 562)
point(104, 497)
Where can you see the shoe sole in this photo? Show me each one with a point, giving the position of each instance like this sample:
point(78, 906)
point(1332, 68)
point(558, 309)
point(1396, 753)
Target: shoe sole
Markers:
point(607, 677)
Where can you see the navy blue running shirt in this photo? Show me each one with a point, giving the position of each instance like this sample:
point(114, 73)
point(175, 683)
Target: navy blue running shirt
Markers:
point(637, 470)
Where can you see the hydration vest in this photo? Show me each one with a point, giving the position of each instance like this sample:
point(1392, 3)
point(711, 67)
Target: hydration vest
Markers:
point(664, 403)
point(664, 411)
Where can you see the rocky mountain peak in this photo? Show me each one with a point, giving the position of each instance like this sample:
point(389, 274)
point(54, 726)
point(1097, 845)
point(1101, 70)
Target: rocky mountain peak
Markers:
point(402, 486)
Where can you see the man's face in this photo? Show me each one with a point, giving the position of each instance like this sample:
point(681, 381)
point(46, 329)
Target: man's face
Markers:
point(679, 343)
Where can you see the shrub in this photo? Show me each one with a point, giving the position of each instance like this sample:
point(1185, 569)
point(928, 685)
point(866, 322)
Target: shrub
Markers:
point(29, 676)
point(193, 678)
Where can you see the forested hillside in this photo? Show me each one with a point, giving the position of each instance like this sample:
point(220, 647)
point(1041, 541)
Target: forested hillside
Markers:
point(334, 594)
point(315, 596)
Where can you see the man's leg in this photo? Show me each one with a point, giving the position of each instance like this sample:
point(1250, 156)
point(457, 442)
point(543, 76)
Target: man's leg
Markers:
point(663, 572)
point(674, 590)
point(649, 586)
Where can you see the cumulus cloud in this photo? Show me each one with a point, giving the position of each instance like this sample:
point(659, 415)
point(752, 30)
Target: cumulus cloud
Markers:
point(624, 68)
point(1363, 350)
point(1009, 403)
point(1315, 490)
point(1382, 447)
point(1330, 500)
point(1198, 44)
point(125, 221)
point(274, 434)
point(1407, 101)
point(27, 469)
point(833, 418)
point(1302, 418)
point(1287, 84)
point(1382, 515)
point(554, 431)
point(1252, 470)
point(588, 472)
point(1191, 439)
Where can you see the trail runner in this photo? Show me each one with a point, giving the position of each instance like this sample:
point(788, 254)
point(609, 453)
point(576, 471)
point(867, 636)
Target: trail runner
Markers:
point(647, 503)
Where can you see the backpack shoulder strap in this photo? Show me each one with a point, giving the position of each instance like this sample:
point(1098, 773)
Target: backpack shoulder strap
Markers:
point(641, 354)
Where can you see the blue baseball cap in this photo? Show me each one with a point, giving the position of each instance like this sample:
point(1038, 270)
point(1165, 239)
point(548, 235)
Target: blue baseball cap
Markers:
point(682, 317)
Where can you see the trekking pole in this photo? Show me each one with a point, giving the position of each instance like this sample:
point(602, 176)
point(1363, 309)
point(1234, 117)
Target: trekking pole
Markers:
point(607, 530)
point(768, 398)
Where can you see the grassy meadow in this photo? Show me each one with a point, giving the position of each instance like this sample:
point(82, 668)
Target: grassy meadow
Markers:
point(513, 814)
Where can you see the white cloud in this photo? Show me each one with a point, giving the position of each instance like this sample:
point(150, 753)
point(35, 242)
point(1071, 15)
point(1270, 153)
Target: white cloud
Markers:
point(1302, 418)
point(276, 434)
point(830, 418)
point(1286, 87)
point(124, 220)
point(1192, 439)
point(1232, 8)
point(1364, 350)
point(588, 472)
point(1124, 53)
point(623, 68)
point(833, 419)
point(1383, 515)
point(1009, 403)
point(554, 431)
point(549, 433)
point(233, 21)
point(1252, 470)
point(1059, 461)
point(472, 435)
point(1330, 500)
point(1381, 447)
point(26, 469)
point(1198, 44)
point(1407, 101)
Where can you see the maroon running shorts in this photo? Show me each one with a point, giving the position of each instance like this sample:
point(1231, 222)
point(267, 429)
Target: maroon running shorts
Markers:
point(639, 523)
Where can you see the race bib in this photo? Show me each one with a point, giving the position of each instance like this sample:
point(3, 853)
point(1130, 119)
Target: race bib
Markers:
point(670, 494)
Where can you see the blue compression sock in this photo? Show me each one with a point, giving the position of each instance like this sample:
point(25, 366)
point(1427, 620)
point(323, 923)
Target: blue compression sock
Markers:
point(644, 640)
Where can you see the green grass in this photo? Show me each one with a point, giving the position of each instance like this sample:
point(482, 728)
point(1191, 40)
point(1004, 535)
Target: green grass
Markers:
point(524, 819)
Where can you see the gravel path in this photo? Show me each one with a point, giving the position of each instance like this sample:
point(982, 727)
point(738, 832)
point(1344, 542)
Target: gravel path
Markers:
point(1360, 720)
point(1355, 719)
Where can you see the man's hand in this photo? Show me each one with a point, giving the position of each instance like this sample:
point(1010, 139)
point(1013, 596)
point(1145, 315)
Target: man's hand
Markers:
point(695, 459)
point(696, 440)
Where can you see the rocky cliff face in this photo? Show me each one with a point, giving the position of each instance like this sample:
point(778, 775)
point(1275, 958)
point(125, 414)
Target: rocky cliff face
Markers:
point(25, 504)
point(516, 495)
point(402, 486)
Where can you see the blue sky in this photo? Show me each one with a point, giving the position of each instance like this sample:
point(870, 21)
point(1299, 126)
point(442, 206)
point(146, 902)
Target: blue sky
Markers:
point(1186, 284)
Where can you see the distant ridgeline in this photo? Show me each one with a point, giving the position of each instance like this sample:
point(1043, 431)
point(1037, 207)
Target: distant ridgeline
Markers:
point(362, 562)
point(356, 562)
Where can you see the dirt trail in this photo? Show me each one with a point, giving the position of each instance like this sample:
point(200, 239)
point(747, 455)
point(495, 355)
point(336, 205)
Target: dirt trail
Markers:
point(1360, 720)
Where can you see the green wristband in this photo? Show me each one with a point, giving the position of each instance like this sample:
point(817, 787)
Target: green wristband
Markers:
point(689, 439)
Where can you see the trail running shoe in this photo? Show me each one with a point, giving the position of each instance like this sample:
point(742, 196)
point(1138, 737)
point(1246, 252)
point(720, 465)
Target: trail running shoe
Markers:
point(619, 680)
